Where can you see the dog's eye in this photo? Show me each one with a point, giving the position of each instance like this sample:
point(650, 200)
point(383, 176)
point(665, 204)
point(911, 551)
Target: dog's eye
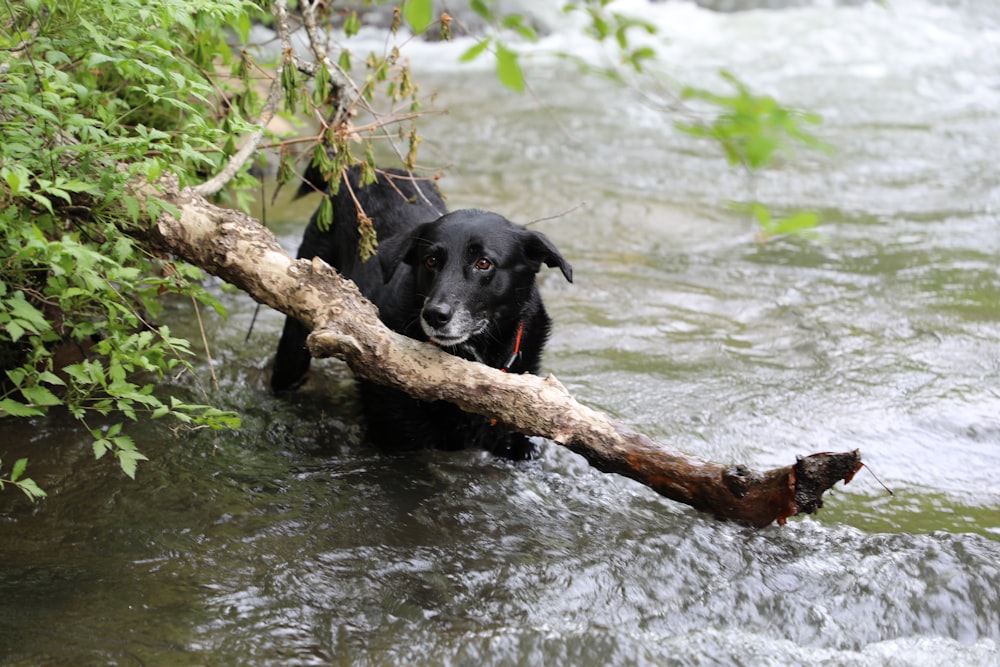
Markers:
point(431, 262)
point(484, 264)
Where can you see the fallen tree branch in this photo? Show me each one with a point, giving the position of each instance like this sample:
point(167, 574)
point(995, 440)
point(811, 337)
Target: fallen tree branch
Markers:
point(235, 247)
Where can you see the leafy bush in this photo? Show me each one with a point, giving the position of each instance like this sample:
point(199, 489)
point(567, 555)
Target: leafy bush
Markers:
point(93, 95)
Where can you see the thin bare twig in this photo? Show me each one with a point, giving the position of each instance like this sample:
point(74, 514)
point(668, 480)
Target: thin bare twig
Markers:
point(249, 147)
point(204, 341)
point(557, 215)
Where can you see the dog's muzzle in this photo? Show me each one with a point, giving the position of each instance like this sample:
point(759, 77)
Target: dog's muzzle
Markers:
point(446, 326)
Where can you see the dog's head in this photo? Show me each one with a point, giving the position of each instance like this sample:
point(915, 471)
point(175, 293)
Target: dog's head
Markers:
point(472, 269)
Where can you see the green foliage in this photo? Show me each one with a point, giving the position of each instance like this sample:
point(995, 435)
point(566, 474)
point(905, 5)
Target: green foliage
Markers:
point(509, 69)
point(17, 478)
point(752, 129)
point(93, 95)
point(419, 14)
point(771, 225)
point(508, 62)
point(614, 26)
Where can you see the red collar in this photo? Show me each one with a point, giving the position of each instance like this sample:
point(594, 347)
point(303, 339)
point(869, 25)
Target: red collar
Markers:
point(513, 357)
point(517, 349)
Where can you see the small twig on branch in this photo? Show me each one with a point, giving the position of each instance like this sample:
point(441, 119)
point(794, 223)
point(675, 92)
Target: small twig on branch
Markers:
point(338, 78)
point(556, 216)
point(312, 30)
point(249, 147)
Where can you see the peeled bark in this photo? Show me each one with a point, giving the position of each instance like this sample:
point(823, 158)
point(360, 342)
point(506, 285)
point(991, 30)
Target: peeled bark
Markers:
point(236, 248)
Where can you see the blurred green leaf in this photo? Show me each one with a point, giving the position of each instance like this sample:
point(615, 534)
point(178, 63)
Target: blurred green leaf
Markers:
point(475, 50)
point(509, 69)
point(352, 24)
point(419, 14)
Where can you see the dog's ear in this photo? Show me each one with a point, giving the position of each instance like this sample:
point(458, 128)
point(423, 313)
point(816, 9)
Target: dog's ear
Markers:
point(398, 249)
point(539, 249)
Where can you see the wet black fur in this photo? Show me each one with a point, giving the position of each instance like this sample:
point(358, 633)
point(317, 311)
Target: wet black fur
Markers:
point(429, 282)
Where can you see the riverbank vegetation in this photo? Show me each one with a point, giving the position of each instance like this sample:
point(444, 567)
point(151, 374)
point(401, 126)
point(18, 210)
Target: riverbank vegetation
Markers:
point(99, 102)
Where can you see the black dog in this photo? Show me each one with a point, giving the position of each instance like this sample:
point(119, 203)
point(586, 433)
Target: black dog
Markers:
point(465, 281)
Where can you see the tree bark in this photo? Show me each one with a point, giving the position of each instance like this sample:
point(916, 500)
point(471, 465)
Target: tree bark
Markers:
point(236, 248)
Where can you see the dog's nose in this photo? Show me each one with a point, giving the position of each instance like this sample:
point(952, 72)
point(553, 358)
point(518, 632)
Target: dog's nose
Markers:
point(437, 314)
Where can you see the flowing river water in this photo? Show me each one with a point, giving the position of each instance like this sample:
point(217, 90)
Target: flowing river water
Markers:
point(293, 542)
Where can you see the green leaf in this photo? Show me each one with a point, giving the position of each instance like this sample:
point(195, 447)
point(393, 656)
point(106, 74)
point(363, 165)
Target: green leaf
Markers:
point(15, 330)
point(509, 69)
point(124, 443)
point(344, 61)
point(290, 84)
point(101, 447)
point(516, 23)
point(794, 224)
point(51, 378)
point(483, 10)
point(17, 179)
point(40, 396)
point(243, 26)
point(599, 28)
point(128, 460)
point(31, 489)
point(132, 207)
point(84, 374)
point(419, 14)
point(761, 212)
point(31, 317)
point(153, 171)
point(19, 466)
point(96, 58)
point(17, 409)
point(352, 24)
point(17, 376)
point(324, 216)
point(637, 57)
point(475, 50)
point(321, 85)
